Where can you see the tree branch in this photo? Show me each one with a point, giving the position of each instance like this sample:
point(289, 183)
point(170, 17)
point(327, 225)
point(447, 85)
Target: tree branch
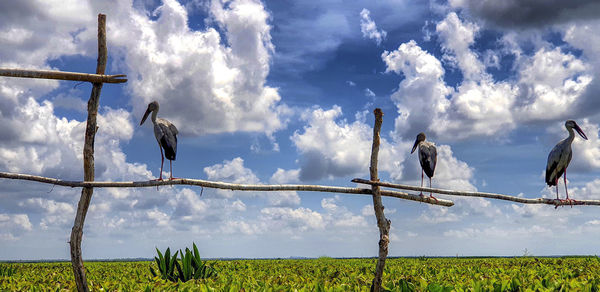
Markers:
point(382, 223)
point(480, 194)
point(60, 75)
point(88, 162)
point(221, 185)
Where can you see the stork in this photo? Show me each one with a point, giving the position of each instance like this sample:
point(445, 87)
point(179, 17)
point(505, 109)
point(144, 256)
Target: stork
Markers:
point(427, 158)
point(560, 156)
point(166, 136)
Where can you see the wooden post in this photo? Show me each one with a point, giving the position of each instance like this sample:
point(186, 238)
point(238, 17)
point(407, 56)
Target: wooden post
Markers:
point(88, 162)
point(382, 222)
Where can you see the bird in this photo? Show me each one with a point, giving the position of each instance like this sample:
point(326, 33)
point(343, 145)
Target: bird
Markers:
point(427, 158)
point(560, 156)
point(166, 136)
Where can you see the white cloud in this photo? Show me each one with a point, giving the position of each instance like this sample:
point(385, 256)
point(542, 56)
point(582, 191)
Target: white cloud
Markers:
point(457, 37)
point(13, 225)
point(292, 220)
point(369, 28)
point(333, 149)
point(209, 83)
point(282, 176)
point(234, 171)
point(550, 84)
point(479, 105)
point(423, 75)
point(369, 93)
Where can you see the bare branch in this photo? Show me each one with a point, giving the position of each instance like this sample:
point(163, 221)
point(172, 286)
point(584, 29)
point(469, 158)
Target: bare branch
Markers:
point(382, 223)
point(60, 75)
point(481, 195)
point(88, 162)
point(221, 185)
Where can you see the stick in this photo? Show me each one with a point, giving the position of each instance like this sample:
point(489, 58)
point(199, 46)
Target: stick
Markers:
point(88, 162)
point(60, 75)
point(222, 185)
point(481, 195)
point(382, 222)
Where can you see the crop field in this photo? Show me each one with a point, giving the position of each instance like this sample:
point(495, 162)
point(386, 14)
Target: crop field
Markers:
point(325, 274)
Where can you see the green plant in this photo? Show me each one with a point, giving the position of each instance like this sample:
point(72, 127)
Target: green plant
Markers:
point(192, 267)
point(7, 270)
point(166, 265)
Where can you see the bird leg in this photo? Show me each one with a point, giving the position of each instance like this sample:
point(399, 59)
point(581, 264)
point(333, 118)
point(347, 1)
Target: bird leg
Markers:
point(430, 192)
point(421, 194)
point(162, 160)
point(570, 201)
point(171, 168)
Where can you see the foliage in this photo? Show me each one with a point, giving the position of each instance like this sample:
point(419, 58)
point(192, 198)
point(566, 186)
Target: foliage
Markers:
point(401, 274)
point(192, 267)
point(166, 265)
point(7, 270)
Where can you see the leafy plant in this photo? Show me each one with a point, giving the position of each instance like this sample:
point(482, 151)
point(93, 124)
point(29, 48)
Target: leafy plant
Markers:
point(7, 270)
point(192, 267)
point(166, 265)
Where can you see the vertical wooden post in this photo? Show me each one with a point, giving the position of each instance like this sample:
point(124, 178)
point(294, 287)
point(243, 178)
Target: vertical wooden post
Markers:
point(88, 162)
point(382, 222)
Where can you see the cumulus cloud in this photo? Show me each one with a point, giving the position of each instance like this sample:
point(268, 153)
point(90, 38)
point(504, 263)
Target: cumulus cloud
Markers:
point(234, 171)
point(529, 13)
point(331, 148)
point(13, 225)
point(209, 83)
point(369, 28)
point(480, 105)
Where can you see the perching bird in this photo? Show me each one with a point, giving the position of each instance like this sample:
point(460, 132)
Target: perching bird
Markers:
point(427, 157)
point(166, 135)
point(560, 156)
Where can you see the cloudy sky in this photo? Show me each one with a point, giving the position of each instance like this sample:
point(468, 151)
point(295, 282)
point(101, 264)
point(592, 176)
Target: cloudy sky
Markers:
point(283, 92)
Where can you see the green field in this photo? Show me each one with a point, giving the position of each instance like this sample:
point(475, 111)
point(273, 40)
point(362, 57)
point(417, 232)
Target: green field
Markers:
point(325, 274)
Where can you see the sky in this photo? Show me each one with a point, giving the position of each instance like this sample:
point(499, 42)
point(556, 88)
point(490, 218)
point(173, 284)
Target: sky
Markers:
point(283, 92)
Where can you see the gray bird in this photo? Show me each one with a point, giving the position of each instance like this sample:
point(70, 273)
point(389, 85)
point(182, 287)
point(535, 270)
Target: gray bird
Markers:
point(560, 156)
point(166, 136)
point(427, 158)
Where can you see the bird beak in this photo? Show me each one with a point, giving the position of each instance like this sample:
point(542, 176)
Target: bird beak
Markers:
point(148, 111)
point(415, 146)
point(580, 132)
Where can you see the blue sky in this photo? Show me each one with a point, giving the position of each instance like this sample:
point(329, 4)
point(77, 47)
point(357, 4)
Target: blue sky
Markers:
point(283, 92)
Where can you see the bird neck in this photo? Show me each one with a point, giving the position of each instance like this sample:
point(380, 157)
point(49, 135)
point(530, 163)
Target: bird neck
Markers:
point(154, 114)
point(571, 134)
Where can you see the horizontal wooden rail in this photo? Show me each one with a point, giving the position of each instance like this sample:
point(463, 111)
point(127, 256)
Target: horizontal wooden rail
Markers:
point(547, 201)
point(73, 76)
point(222, 185)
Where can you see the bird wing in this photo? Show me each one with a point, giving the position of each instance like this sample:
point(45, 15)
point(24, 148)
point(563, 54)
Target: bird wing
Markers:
point(558, 160)
point(166, 134)
point(428, 158)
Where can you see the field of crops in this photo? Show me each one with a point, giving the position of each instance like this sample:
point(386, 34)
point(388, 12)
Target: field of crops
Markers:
point(325, 274)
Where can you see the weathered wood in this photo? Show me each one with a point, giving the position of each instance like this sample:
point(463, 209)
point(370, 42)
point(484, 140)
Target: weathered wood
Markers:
point(522, 200)
point(88, 162)
point(223, 185)
point(382, 223)
point(60, 75)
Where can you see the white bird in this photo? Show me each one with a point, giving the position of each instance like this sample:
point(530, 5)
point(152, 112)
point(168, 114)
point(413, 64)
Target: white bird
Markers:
point(560, 156)
point(166, 136)
point(427, 158)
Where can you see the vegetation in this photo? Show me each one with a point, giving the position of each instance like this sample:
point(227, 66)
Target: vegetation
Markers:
point(7, 270)
point(325, 274)
point(191, 266)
